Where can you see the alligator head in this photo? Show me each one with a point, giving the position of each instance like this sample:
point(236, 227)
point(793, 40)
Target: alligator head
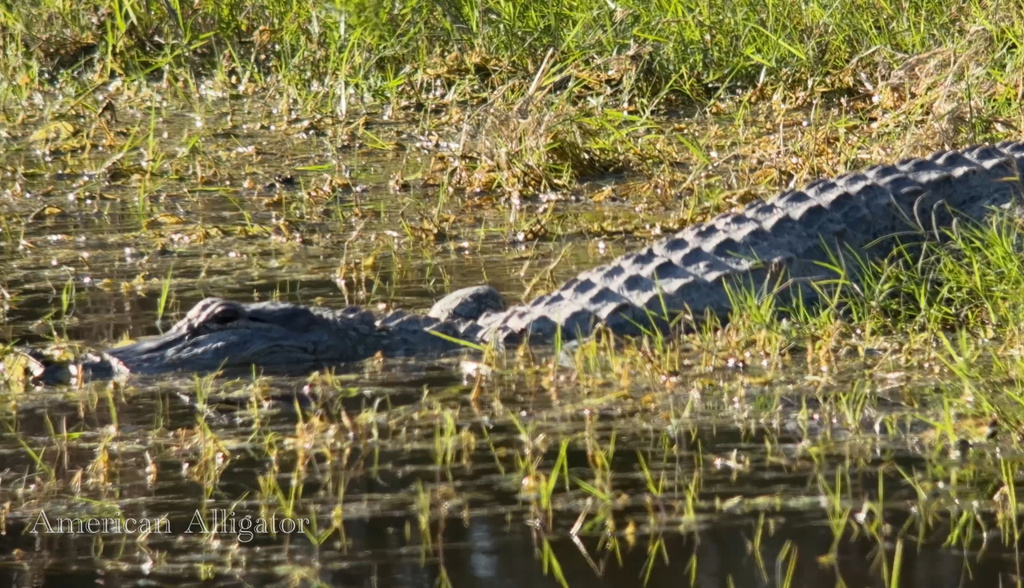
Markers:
point(280, 337)
point(223, 334)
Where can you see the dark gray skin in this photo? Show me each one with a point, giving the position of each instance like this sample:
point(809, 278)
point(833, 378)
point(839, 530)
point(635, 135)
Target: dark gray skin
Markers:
point(219, 334)
point(684, 274)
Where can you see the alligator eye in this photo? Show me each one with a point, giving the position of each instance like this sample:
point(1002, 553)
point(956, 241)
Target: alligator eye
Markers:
point(225, 315)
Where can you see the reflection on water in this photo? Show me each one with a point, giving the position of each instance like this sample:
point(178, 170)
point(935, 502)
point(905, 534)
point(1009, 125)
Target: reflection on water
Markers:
point(411, 518)
point(488, 550)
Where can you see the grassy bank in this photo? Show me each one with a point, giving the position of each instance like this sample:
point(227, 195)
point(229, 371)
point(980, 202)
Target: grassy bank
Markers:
point(547, 93)
point(635, 54)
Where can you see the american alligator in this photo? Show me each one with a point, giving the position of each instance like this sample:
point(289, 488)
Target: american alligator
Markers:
point(789, 235)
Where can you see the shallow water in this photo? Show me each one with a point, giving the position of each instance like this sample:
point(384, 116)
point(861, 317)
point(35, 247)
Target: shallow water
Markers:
point(720, 478)
point(757, 506)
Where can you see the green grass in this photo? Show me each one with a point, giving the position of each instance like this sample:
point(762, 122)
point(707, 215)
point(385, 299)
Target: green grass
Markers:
point(538, 93)
point(966, 289)
point(343, 52)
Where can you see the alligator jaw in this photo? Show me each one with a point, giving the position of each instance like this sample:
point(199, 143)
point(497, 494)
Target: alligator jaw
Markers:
point(219, 335)
point(223, 349)
point(231, 350)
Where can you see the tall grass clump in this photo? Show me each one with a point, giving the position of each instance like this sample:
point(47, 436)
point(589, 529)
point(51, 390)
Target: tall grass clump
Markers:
point(339, 52)
point(540, 94)
point(968, 285)
point(973, 280)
